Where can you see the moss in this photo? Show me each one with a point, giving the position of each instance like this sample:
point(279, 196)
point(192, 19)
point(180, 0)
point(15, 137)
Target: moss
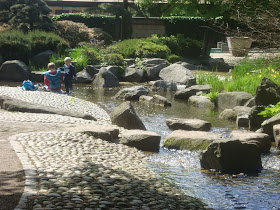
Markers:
point(185, 144)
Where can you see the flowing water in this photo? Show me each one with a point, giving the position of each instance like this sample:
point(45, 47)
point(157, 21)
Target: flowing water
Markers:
point(219, 191)
point(182, 168)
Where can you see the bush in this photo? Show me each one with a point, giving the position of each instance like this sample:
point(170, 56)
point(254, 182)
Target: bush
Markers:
point(180, 45)
point(21, 46)
point(92, 21)
point(92, 55)
point(173, 58)
point(127, 47)
point(99, 34)
point(113, 59)
point(152, 50)
point(73, 32)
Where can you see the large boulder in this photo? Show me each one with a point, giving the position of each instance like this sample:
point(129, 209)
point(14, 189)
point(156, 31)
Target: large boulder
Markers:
point(232, 156)
point(14, 70)
point(191, 91)
point(133, 75)
point(105, 78)
point(177, 73)
point(42, 59)
point(87, 74)
point(147, 62)
point(15, 105)
point(152, 72)
point(231, 99)
point(189, 140)
point(125, 116)
point(132, 93)
point(276, 134)
point(201, 101)
point(262, 140)
point(142, 140)
point(255, 120)
point(160, 100)
point(267, 93)
point(188, 124)
point(231, 114)
point(164, 85)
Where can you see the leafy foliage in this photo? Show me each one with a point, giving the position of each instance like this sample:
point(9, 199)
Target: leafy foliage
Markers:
point(152, 50)
point(271, 110)
point(23, 46)
point(26, 15)
point(113, 59)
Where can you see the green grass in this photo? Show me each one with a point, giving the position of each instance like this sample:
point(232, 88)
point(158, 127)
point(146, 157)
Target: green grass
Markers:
point(217, 82)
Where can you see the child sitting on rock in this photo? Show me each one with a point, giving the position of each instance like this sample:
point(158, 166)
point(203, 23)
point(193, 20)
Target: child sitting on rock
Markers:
point(69, 73)
point(53, 78)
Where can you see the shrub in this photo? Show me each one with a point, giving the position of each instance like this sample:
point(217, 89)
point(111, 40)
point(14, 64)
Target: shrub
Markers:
point(152, 50)
point(113, 59)
point(99, 34)
point(173, 58)
point(73, 32)
point(21, 46)
point(92, 21)
point(92, 55)
point(180, 45)
point(128, 47)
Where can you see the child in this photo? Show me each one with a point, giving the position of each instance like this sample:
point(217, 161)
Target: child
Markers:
point(53, 78)
point(69, 73)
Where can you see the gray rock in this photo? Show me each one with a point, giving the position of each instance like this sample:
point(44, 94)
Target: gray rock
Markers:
point(188, 65)
point(152, 73)
point(176, 73)
point(12, 104)
point(133, 75)
point(152, 61)
point(105, 78)
point(107, 133)
point(84, 77)
point(276, 134)
point(262, 140)
point(191, 91)
point(241, 109)
point(129, 61)
point(42, 59)
point(268, 124)
point(14, 70)
point(125, 116)
point(242, 120)
point(256, 120)
point(145, 98)
point(267, 93)
point(116, 70)
point(142, 140)
point(91, 70)
point(132, 93)
point(232, 156)
point(218, 64)
point(201, 101)
point(250, 103)
point(164, 85)
point(160, 100)
point(189, 140)
point(37, 76)
point(228, 114)
point(231, 99)
point(188, 124)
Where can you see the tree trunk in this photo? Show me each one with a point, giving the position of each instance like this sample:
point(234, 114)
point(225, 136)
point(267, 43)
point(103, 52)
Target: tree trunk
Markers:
point(207, 42)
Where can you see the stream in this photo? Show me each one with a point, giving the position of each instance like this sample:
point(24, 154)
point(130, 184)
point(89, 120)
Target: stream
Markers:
point(182, 168)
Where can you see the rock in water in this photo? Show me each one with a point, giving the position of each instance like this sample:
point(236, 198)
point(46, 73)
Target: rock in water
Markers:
point(132, 93)
point(232, 156)
point(14, 70)
point(105, 78)
point(231, 99)
point(125, 116)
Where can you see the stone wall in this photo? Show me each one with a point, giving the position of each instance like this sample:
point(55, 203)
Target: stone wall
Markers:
point(145, 27)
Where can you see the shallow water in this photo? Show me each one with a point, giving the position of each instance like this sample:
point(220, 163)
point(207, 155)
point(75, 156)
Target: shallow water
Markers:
point(183, 168)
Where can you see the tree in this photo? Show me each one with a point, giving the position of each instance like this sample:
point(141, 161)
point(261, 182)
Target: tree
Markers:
point(26, 14)
point(258, 19)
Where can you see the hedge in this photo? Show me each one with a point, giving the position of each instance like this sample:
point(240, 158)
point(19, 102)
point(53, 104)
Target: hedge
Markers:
point(107, 23)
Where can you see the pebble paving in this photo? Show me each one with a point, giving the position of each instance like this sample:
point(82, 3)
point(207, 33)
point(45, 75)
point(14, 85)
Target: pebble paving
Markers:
point(68, 170)
point(60, 101)
point(77, 171)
